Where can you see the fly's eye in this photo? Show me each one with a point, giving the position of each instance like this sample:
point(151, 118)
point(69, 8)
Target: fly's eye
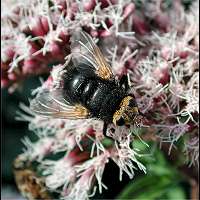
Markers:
point(120, 121)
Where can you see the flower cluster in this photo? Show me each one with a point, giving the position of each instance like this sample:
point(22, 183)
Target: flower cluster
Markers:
point(155, 42)
point(86, 151)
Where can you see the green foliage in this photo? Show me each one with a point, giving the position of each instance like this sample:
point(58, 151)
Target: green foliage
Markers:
point(107, 142)
point(162, 180)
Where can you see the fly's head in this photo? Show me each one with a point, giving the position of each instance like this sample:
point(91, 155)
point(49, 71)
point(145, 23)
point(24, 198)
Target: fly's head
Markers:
point(128, 112)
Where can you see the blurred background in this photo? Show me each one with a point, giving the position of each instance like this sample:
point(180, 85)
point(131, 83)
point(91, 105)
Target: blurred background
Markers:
point(12, 133)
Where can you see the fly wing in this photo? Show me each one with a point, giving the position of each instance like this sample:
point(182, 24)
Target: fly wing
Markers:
point(51, 103)
point(88, 57)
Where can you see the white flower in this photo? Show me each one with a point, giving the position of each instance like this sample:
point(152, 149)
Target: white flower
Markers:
point(88, 172)
point(126, 159)
point(38, 150)
point(58, 173)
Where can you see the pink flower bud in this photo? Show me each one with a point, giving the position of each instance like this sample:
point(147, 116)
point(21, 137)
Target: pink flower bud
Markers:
point(162, 20)
point(45, 24)
point(162, 74)
point(165, 77)
point(108, 22)
point(131, 64)
point(183, 54)
point(12, 76)
point(64, 36)
point(94, 33)
point(8, 54)
point(89, 5)
point(29, 66)
point(78, 157)
point(91, 131)
point(104, 33)
point(55, 49)
point(34, 49)
point(37, 27)
point(121, 71)
point(62, 4)
point(139, 25)
point(105, 3)
point(166, 53)
point(49, 82)
point(4, 82)
point(128, 10)
point(72, 10)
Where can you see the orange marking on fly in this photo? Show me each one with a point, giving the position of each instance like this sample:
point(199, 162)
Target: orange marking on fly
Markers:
point(126, 112)
point(77, 112)
point(125, 101)
point(81, 111)
point(135, 110)
point(104, 70)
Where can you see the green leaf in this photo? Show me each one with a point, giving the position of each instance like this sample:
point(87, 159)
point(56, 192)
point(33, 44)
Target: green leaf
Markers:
point(145, 187)
point(161, 180)
point(152, 188)
point(107, 142)
point(176, 193)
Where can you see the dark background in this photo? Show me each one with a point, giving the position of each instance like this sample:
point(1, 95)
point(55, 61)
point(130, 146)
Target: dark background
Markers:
point(12, 133)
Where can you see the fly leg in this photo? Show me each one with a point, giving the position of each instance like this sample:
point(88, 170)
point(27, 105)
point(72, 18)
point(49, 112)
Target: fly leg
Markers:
point(105, 126)
point(125, 82)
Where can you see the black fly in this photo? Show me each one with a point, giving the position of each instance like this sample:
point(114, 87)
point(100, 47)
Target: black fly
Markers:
point(89, 89)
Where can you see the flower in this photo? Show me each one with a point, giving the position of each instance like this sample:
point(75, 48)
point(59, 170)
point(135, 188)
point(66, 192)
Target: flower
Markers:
point(155, 43)
point(87, 152)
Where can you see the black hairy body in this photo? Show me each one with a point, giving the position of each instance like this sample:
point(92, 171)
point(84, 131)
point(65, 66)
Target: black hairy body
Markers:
point(87, 88)
point(101, 97)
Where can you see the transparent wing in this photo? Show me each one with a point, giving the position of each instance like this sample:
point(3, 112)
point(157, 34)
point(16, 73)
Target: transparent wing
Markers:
point(51, 103)
point(87, 56)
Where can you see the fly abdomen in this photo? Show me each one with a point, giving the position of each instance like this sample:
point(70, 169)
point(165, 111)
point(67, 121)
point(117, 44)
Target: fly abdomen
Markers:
point(88, 91)
point(74, 86)
point(100, 95)
point(111, 104)
point(80, 88)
